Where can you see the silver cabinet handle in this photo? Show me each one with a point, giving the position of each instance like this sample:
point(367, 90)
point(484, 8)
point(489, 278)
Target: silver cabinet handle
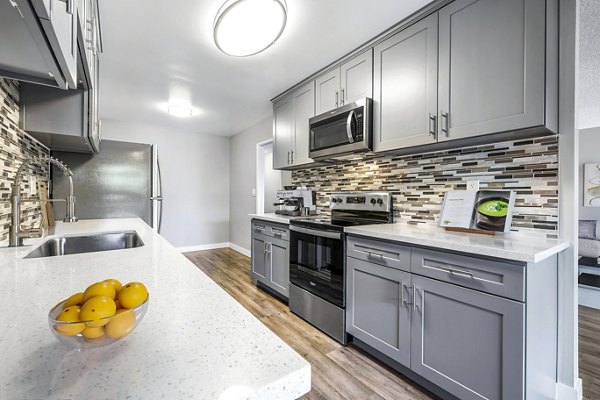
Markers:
point(445, 123)
point(69, 4)
point(432, 125)
point(349, 127)
point(259, 228)
point(288, 160)
point(343, 96)
point(292, 162)
point(337, 95)
point(414, 295)
point(371, 254)
point(461, 272)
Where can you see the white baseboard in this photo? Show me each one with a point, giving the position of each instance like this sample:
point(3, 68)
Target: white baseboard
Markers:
point(564, 392)
point(239, 249)
point(187, 249)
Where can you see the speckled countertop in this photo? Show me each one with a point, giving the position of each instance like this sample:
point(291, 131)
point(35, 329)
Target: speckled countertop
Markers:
point(195, 341)
point(508, 247)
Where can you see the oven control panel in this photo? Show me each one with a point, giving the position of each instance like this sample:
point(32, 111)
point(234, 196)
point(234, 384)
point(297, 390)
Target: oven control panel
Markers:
point(374, 201)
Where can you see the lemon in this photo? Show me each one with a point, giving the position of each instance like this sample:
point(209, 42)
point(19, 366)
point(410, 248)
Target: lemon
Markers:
point(75, 300)
point(99, 289)
point(70, 314)
point(95, 309)
point(121, 324)
point(93, 333)
point(132, 295)
point(115, 283)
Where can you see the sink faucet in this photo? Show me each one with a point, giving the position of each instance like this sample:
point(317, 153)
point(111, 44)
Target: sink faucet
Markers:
point(16, 234)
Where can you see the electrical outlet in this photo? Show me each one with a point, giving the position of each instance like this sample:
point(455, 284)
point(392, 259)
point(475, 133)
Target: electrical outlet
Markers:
point(473, 185)
point(32, 185)
point(254, 192)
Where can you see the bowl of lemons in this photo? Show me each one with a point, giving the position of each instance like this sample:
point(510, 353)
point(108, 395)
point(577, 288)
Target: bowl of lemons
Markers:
point(102, 314)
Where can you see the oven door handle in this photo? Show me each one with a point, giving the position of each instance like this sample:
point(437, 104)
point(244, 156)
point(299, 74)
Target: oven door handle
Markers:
point(316, 232)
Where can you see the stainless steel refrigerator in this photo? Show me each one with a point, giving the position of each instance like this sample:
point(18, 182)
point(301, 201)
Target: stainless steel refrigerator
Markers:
point(122, 181)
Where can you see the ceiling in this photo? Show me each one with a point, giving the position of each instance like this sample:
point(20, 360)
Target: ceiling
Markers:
point(156, 52)
point(589, 65)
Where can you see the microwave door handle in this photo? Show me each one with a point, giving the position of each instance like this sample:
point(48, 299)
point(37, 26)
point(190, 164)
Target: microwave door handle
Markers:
point(349, 127)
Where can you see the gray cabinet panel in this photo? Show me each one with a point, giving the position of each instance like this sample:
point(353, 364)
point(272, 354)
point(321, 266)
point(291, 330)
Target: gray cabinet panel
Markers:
point(495, 277)
point(282, 132)
point(405, 89)
point(327, 91)
point(357, 78)
point(303, 101)
point(491, 66)
point(279, 264)
point(384, 253)
point(377, 311)
point(468, 343)
point(258, 257)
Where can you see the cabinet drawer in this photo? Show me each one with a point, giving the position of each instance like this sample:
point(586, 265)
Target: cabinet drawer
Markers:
point(494, 277)
point(378, 252)
point(277, 231)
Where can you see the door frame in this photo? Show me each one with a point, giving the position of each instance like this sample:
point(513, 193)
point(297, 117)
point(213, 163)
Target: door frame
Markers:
point(260, 174)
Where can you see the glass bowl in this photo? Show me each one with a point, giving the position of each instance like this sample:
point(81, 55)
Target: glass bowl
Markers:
point(114, 328)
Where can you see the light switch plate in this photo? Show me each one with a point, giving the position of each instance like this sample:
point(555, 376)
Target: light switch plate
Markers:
point(473, 185)
point(32, 185)
point(254, 192)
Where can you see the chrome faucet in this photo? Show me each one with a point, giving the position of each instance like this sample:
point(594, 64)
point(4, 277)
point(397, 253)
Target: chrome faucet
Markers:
point(16, 234)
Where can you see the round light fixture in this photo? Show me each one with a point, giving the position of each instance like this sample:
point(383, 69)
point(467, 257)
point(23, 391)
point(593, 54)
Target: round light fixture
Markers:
point(179, 111)
point(247, 27)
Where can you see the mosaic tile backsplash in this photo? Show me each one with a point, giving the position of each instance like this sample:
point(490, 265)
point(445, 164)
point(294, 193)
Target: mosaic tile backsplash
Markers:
point(418, 182)
point(15, 146)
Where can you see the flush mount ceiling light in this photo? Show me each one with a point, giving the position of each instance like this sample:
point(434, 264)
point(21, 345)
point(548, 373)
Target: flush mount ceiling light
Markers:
point(179, 111)
point(247, 27)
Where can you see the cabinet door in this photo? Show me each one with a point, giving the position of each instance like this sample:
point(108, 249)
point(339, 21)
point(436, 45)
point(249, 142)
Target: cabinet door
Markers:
point(282, 132)
point(279, 263)
point(328, 91)
point(467, 342)
point(303, 101)
point(258, 250)
point(492, 66)
point(405, 87)
point(357, 78)
point(377, 311)
point(59, 20)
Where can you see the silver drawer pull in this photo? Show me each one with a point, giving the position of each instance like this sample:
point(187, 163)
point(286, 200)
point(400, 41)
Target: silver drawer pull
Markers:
point(371, 254)
point(259, 228)
point(461, 272)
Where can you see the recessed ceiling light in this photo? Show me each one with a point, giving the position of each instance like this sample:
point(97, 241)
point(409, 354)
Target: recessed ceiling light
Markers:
point(247, 27)
point(180, 111)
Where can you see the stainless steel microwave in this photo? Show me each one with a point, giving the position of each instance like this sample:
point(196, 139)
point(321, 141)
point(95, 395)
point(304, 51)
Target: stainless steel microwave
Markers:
point(343, 132)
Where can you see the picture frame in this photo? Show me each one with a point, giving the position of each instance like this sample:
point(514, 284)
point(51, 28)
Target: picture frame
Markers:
point(591, 184)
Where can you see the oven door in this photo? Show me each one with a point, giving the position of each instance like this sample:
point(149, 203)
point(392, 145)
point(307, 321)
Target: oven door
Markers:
point(317, 262)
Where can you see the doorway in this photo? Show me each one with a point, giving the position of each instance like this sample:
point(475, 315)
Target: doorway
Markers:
point(268, 180)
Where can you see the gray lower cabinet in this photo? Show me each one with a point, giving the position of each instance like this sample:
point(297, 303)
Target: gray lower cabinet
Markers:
point(270, 256)
point(377, 310)
point(469, 343)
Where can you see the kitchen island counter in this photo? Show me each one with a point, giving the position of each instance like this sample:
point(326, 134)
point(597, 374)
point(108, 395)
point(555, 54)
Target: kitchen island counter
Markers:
point(195, 341)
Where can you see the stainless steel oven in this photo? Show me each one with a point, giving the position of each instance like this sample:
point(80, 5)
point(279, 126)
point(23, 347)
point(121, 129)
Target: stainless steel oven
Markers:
point(343, 132)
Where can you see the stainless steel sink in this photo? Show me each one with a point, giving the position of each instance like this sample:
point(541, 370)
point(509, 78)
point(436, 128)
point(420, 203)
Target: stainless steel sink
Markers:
point(64, 245)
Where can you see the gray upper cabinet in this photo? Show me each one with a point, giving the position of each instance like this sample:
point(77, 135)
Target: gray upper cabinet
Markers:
point(349, 82)
point(282, 132)
point(357, 78)
point(405, 93)
point(377, 309)
point(38, 42)
point(491, 67)
point(328, 91)
point(467, 342)
point(291, 128)
point(303, 101)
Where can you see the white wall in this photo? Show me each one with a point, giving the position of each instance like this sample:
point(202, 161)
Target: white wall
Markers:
point(589, 151)
point(195, 176)
point(243, 179)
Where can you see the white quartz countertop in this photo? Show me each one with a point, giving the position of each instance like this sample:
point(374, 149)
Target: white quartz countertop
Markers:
point(508, 247)
point(272, 217)
point(195, 341)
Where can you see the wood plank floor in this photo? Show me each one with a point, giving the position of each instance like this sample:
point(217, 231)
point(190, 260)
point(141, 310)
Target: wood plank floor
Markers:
point(340, 372)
